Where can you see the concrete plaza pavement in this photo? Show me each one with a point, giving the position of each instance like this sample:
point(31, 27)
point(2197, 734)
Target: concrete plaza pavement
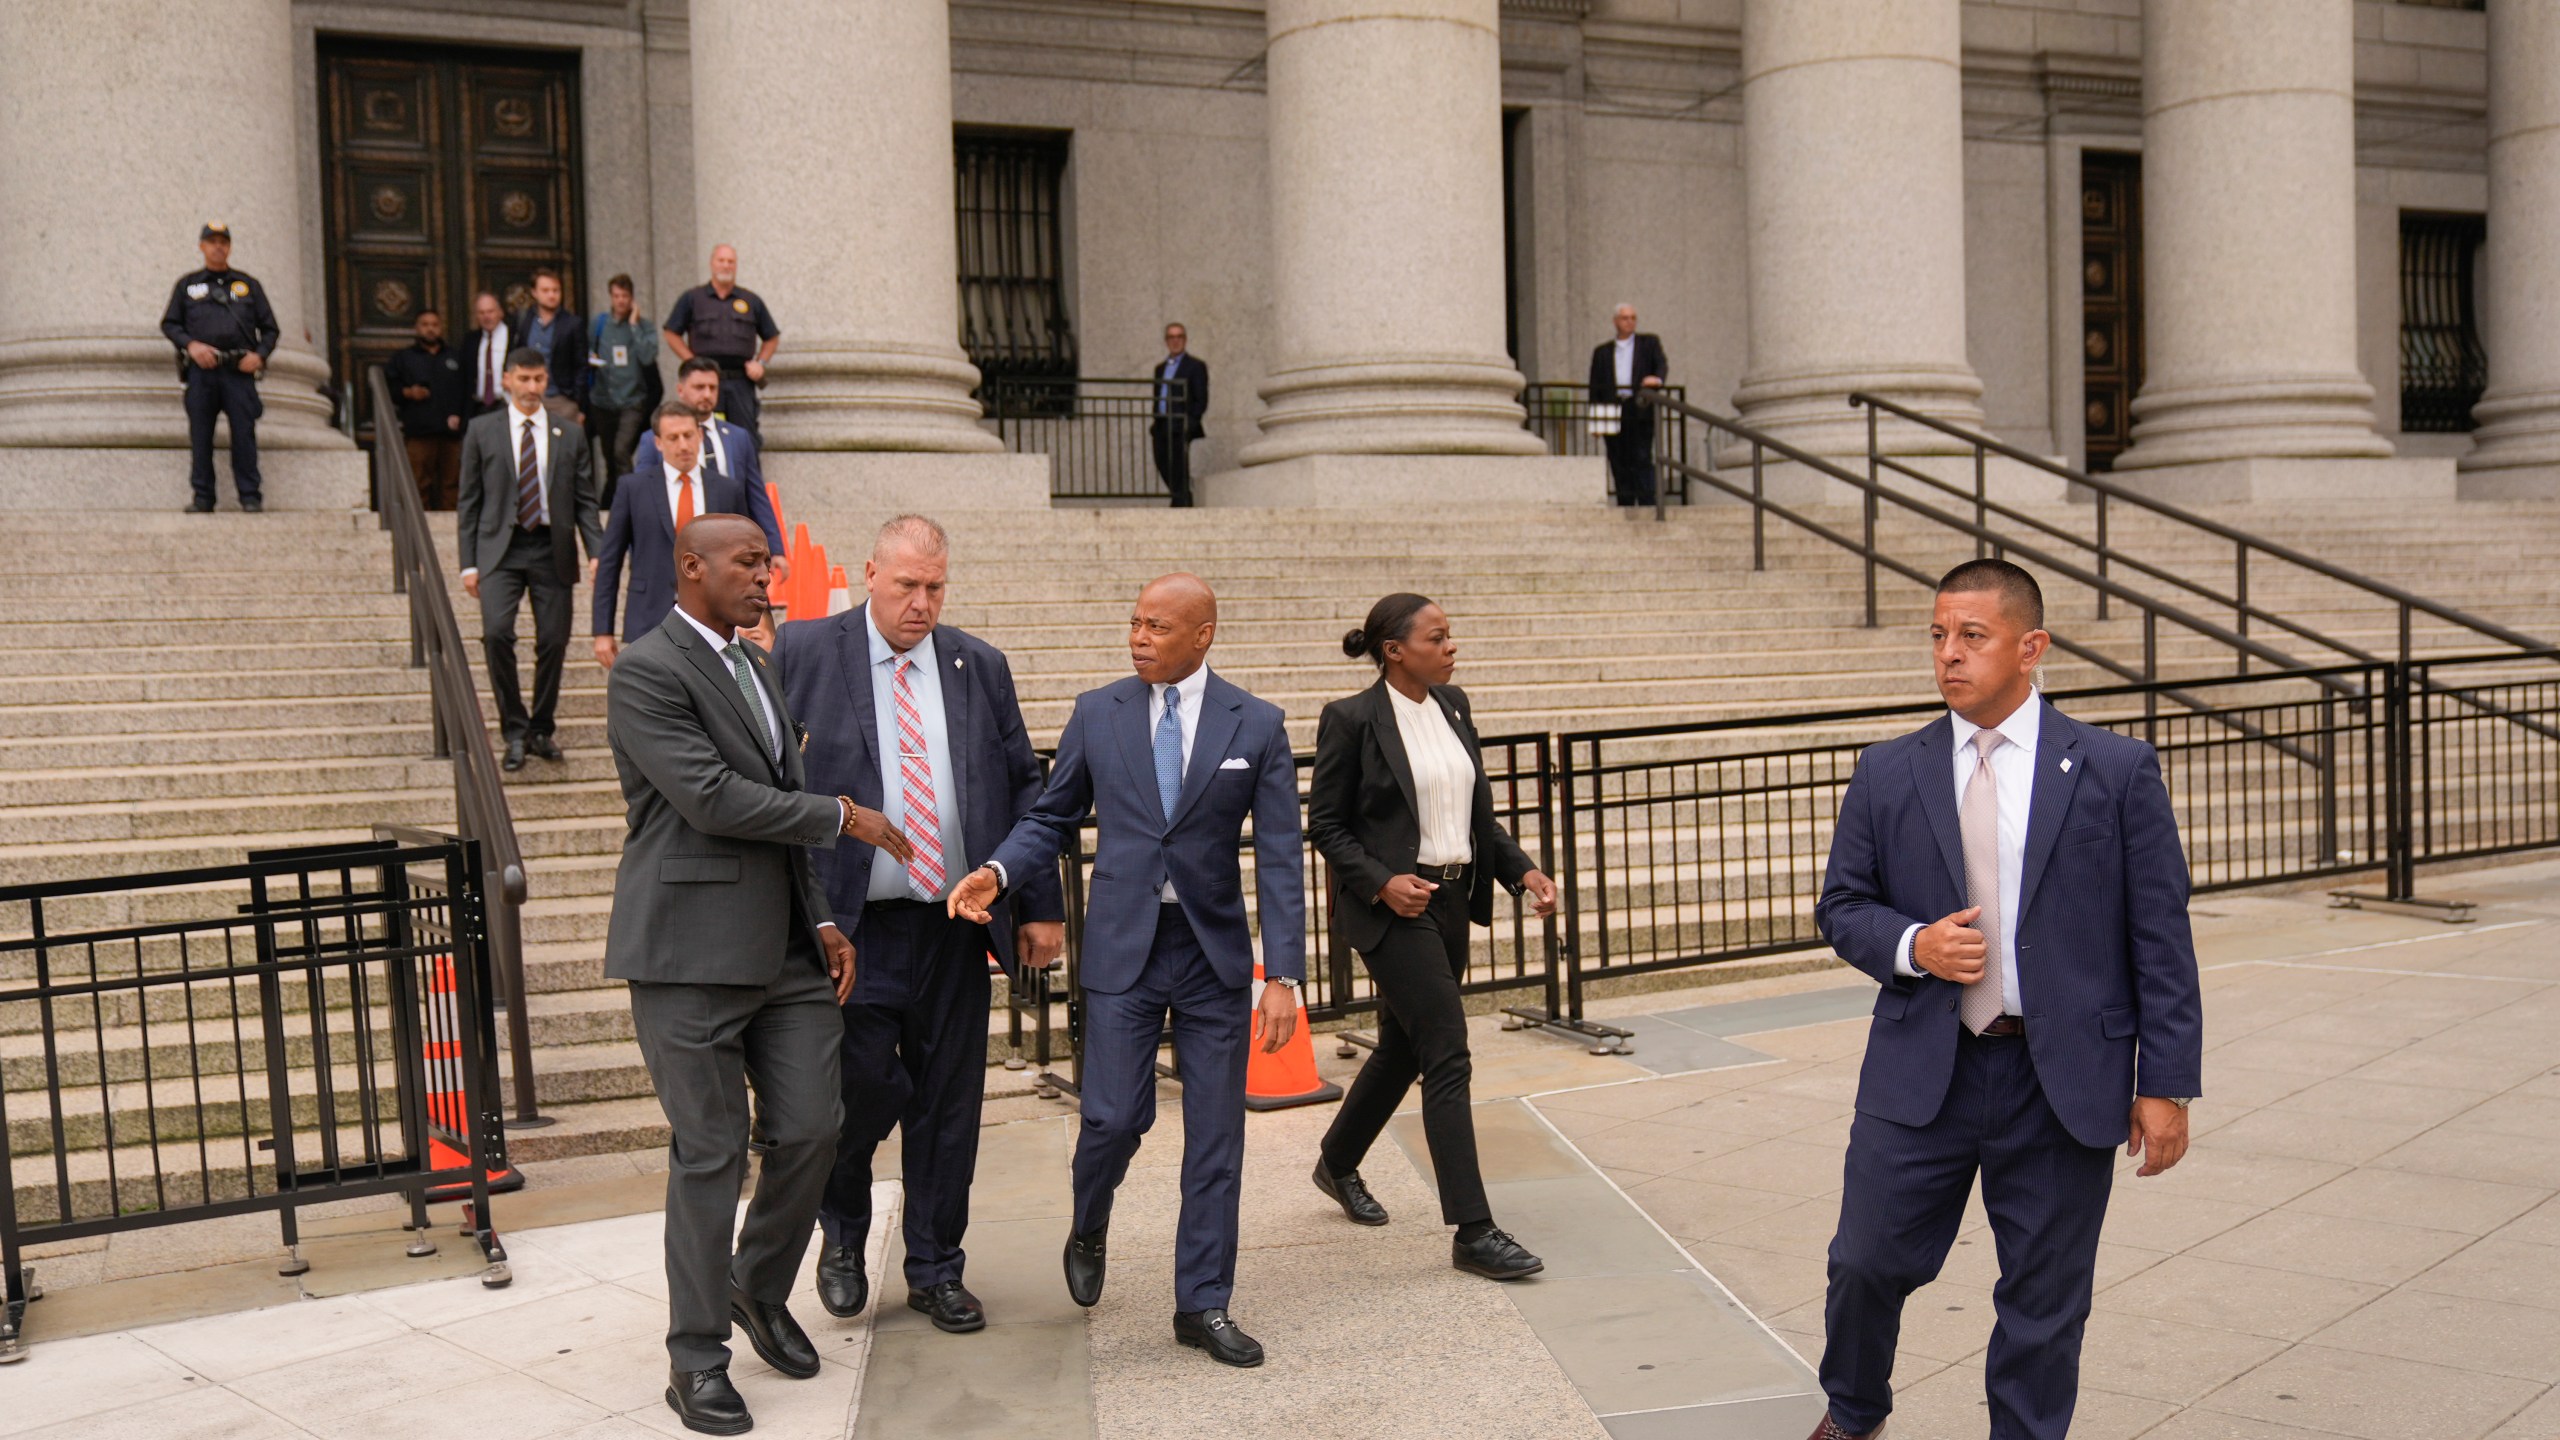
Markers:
point(2364, 1242)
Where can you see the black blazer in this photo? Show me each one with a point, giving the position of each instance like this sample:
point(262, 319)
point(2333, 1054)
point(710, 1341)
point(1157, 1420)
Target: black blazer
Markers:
point(1361, 815)
point(1194, 373)
point(1604, 367)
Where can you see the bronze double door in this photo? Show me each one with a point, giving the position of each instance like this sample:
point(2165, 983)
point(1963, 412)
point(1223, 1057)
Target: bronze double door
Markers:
point(446, 172)
point(2110, 301)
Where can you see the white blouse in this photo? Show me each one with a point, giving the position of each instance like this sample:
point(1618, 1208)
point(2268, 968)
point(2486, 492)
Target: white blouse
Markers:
point(1444, 780)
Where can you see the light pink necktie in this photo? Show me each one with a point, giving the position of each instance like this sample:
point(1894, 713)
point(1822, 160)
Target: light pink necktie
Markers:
point(1982, 999)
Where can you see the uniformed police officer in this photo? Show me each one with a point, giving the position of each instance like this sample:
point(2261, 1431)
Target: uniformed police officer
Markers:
point(224, 330)
point(728, 325)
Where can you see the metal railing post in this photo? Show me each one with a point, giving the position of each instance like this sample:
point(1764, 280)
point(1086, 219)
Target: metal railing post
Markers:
point(1759, 514)
point(2102, 554)
point(2150, 675)
point(2400, 867)
point(1981, 495)
point(2240, 597)
point(1873, 458)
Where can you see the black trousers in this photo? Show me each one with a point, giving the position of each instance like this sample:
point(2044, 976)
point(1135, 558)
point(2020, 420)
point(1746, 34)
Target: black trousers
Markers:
point(617, 434)
point(1171, 449)
point(915, 1056)
point(233, 395)
point(1900, 1206)
point(703, 1044)
point(526, 568)
point(1422, 1030)
point(738, 401)
point(1631, 457)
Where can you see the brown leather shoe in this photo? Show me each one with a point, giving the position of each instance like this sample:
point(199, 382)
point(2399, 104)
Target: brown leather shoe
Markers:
point(1830, 1429)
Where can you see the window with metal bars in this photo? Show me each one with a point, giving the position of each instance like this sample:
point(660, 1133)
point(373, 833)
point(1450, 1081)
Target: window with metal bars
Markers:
point(2442, 365)
point(1013, 303)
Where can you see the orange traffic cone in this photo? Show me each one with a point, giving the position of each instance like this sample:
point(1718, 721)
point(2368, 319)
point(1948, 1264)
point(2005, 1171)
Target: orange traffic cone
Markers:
point(1278, 1079)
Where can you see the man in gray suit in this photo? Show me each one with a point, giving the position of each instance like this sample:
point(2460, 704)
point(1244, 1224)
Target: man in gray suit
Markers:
point(528, 498)
point(735, 964)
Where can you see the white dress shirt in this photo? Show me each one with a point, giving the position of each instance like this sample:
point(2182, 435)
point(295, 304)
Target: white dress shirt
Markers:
point(715, 451)
point(2013, 770)
point(1444, 780)
point(889, 879)
point(539, 425)
point(1626, 357)
point(1192, 686)
point(675, 490)
point(491, 380)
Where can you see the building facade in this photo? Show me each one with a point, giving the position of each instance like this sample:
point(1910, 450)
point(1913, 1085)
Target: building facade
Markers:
point(2164, 237)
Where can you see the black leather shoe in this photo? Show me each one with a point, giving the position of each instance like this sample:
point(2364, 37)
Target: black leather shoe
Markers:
point(1084, 1267)
point(199, 507)
point(515, 755)
point(779, 1340)
point(1212, 1331)
point(707, 1403)
point(1495, 1256)
point(842, 1286)
point(1830, 1429)
point(950, 1306)
point(543, 747)
point(252, 506)
point(1358, 1205)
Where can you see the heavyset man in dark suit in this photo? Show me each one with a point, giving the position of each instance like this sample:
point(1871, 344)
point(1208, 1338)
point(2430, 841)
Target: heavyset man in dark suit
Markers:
point(649, 507)
point(1621, 369)
point(911, 716)
point(734, 961)
point(2013, 880)
point(1172, 760)
point(528, 499)
point(1180, 396)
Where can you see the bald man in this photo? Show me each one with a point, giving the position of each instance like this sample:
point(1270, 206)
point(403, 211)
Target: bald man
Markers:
point(1172, 760)
point(735, 963)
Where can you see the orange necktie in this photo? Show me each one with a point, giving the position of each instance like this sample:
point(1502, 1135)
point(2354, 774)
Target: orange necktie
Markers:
point(684, 499)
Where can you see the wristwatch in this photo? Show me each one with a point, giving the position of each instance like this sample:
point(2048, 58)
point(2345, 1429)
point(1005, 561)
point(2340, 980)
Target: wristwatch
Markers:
point(1288, 980)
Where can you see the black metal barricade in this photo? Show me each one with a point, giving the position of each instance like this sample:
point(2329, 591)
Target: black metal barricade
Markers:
point(1099, 434)
point(1689, 845)
point(1561, 413)
point(308, 1026)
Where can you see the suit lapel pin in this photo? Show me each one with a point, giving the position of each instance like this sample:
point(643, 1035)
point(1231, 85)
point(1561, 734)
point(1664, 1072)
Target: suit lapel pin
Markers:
point(2066, 765)
point(957, 662)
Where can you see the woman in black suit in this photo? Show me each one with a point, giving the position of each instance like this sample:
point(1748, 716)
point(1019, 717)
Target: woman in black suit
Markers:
point(1401, 808)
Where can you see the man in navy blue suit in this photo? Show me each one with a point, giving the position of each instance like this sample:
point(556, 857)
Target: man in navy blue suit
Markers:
point(727, 449)
point(2020, 1048)
point(671, 486)
point(919, 720)
point(1173, 761)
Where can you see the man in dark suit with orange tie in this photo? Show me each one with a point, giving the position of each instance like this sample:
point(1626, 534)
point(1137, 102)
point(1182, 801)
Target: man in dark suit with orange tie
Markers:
point(2013, 880)
point(674, 484)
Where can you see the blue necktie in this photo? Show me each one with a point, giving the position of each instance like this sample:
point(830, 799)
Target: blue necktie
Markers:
point(1169, 751)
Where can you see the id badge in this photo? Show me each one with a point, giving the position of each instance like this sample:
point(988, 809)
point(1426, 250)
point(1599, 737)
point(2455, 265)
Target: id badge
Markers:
point(621, 354)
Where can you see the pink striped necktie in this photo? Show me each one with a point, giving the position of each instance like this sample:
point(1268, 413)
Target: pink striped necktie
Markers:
point(922, 812)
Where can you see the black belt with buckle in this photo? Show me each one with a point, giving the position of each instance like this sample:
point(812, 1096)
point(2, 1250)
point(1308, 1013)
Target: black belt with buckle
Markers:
point(2004, 1028)
point(1442, 873)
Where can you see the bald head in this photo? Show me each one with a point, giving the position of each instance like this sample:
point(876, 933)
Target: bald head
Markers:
point(1171, 628)
point(722, 570)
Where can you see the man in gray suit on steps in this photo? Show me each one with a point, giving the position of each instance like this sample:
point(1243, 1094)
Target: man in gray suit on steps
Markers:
point(735, 964)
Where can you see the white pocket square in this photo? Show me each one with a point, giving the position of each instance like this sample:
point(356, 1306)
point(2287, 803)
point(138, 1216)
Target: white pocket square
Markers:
point(1232, 762)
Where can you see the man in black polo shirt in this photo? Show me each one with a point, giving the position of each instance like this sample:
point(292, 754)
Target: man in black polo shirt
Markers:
point(432, 392)
point(729, 326)
point(224, 330)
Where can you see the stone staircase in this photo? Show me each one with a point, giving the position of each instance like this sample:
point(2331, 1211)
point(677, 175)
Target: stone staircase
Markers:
point(230, 682)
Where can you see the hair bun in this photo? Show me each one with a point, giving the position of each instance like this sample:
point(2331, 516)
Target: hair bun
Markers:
point(1355, 642)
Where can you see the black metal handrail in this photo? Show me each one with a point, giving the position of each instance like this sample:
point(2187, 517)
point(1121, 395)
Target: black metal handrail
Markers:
point(461, 731)
point(1561, 413)
point(2106, 555)
point(1098, 431)
point(1875, 493)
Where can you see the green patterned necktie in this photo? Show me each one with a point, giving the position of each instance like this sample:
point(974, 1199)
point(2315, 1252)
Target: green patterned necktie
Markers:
point(739, 667)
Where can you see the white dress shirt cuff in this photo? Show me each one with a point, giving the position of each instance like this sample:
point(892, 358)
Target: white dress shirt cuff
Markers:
point(1003, 881)
point(474, 570)
point(1902, 965)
